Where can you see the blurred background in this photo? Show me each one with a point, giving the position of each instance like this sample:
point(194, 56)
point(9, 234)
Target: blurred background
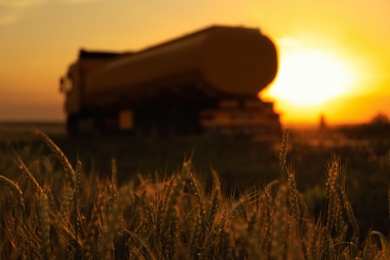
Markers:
point(334, 55)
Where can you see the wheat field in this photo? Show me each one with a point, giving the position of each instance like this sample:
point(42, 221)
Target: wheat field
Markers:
point(65, 213)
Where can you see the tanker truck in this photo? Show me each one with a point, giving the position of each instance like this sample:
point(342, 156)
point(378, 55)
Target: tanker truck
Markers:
point(204, 82)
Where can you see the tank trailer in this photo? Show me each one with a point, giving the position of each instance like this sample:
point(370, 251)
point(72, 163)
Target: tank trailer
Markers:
point(203, 82)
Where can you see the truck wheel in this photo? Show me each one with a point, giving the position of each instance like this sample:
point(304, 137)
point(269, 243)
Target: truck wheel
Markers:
point(72, 125)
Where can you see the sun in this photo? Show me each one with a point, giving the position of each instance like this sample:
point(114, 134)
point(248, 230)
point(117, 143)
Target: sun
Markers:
point(311, 77)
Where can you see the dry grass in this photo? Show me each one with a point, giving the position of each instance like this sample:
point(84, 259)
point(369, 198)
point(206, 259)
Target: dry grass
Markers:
point(80, 216)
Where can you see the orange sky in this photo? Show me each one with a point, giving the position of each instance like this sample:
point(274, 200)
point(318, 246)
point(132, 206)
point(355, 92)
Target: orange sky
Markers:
point(39, 39)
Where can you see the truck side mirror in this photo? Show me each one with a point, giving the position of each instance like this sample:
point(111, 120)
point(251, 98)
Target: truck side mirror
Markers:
point(62, 85)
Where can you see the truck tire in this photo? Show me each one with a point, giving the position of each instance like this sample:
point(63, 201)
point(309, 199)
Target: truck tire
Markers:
point(72, 125)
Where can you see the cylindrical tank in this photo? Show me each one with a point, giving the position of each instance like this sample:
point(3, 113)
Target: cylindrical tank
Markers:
point(231, 61)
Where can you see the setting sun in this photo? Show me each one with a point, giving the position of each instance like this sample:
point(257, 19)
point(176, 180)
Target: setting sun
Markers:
point(318, 77)
point(311, 77)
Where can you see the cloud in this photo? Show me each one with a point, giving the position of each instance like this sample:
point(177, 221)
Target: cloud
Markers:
point(9, 17)
point(13, 10)
point(20, 4)
point(80, 1)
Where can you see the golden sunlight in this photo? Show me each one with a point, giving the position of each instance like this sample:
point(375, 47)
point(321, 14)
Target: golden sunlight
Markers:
point(327, 76)
point(309, 77)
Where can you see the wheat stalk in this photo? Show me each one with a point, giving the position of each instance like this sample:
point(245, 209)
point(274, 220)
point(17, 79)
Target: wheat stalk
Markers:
point(333, 214)
point(212, 209)
point(349, 213)
point(44, 226)
point(115, 222)
point(89, 242)
point(279, 223)
point(170, 220)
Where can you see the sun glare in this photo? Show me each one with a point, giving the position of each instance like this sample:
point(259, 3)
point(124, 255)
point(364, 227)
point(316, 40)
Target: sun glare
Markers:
point(309, 77)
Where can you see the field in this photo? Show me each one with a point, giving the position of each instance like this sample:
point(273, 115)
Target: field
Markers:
point(313, 195)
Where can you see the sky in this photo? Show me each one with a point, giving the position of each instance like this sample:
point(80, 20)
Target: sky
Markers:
point(334, 55)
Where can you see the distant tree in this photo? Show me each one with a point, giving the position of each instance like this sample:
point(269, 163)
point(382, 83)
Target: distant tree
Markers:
point(323, 124)
point(380, 119)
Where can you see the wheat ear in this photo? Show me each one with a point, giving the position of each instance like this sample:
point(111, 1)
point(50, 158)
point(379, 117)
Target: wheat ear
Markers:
point(14, 188)
point(294, 200)
point(37, 188)
point(283, 152)
point(70, 173)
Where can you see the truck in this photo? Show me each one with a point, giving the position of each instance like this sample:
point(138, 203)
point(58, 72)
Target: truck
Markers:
point(206, 82)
